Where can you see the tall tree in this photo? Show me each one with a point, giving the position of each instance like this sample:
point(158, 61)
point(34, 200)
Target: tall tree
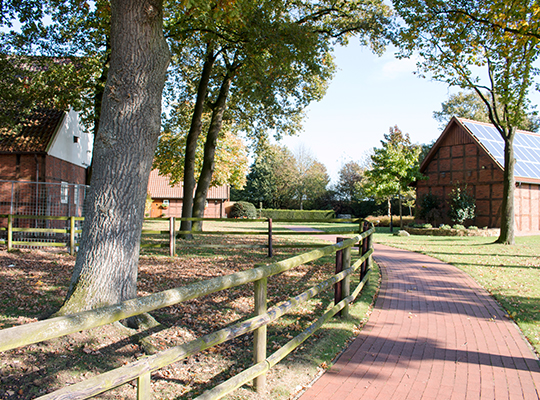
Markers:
point(106, 266)
point(393, 167)
point(350, 180)
point(268, 61)
point(483, 47)
point(280, 178)
point(107, 262)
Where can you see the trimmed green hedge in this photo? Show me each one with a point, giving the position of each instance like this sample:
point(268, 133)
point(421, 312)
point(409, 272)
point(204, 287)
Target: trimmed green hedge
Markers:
point(302, 215)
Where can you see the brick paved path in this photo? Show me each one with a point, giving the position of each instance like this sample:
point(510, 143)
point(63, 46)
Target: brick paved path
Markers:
point(433, 334)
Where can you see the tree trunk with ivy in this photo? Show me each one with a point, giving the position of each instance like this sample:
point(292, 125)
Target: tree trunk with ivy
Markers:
point(107, 263)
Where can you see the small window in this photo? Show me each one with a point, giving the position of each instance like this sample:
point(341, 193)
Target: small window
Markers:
point(76, 194)
point(166, 203)
point(64, 193)
point(75, 139)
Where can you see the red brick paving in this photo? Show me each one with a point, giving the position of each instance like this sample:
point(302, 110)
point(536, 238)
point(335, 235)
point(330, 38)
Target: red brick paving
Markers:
point(434, 334)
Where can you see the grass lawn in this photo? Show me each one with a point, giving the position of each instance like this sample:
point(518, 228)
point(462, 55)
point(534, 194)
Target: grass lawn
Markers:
point(511, 274)
point(33, 282)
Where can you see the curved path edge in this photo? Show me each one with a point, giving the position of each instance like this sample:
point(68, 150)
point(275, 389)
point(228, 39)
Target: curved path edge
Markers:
point(434, 334)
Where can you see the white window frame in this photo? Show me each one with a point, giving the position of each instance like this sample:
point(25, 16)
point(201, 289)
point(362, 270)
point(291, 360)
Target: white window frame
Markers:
point(64, 193)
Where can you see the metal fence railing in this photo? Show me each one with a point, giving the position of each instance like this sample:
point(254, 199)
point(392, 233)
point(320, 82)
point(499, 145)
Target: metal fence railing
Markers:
point(41, 199)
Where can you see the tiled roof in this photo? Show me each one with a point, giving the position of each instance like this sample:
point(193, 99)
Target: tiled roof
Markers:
point(526, 148)
point(34, 134)
point(160, 188)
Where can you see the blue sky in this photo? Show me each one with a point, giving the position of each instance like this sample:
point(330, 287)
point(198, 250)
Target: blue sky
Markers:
point(367, 96)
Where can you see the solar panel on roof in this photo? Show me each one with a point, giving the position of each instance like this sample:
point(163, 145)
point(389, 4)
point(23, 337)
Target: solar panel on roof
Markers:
point(526, 148)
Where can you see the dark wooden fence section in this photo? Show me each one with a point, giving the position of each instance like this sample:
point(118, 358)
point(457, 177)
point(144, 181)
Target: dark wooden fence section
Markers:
point(142, 369)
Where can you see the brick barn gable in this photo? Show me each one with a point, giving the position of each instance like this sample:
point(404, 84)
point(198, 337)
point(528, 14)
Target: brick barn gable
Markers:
point(459, 156)
point(28, 153)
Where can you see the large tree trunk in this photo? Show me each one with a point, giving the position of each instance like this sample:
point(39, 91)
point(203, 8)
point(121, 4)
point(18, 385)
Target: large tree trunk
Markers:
point(191, 141)
point(107, 263)
point(210, 150)
point(507, 208)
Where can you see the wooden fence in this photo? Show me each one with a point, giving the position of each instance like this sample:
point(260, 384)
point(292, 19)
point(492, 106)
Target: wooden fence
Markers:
point(70, 232)
point(142, 369)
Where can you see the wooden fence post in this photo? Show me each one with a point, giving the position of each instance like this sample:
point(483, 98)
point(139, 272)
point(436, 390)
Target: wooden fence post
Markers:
point(259, 335)
point(172, 236)
point(369, 246)
point(72, 236)
point(143, 387)
point(346, 282)
point(10, 232)
point(363, 250)
point(270, 249)
point(338, 287)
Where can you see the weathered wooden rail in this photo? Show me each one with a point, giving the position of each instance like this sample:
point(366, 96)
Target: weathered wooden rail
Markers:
point(269, 232)
point(171, 233)
point(142, 369)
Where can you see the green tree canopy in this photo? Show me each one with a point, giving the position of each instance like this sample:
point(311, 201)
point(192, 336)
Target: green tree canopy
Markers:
point(393, 167)
point(467, 104)
point(351, 177)
point(283, 179)
point(486, 47)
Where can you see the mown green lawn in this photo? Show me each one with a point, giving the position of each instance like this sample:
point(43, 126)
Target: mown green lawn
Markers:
point(510, 273)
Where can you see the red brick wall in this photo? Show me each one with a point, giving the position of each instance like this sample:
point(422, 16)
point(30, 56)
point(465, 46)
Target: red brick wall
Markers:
point(41, 168)
point(57, 171)
point(527, 205)
point(215, 209)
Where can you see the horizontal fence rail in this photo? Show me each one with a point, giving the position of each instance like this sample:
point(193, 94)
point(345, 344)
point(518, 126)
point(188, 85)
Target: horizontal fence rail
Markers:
point(142, 369)
point(68, 235)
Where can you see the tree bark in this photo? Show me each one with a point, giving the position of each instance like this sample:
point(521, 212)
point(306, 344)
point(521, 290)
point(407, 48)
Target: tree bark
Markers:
point(210, 150)
point(400, 211)
point(191, 141)
point(107, 263)
point(507, 235)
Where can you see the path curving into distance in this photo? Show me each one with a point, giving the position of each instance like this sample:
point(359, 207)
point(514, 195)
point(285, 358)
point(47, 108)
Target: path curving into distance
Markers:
point(434, 334)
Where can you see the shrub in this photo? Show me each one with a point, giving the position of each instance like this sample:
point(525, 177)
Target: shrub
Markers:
point(445, 227)
point(458, 226)
point(473, 228)
point(429, 208)
point(302, 215)
point(462, 204)
point(426, 226)
point(243, 209)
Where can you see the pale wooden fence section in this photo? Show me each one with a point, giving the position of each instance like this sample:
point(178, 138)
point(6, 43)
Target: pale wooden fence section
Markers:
point(70, 232)
point(142, 369)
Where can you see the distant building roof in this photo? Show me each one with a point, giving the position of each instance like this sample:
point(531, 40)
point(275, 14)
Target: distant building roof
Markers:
point(35, 133)
point(526, 147)
point(159, 188)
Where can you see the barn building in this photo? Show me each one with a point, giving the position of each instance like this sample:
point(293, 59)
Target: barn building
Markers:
point(167, 199)
point(43, 165)
point(472, 153)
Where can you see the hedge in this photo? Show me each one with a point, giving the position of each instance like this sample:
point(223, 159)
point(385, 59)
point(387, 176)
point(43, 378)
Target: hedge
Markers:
point(302, 215)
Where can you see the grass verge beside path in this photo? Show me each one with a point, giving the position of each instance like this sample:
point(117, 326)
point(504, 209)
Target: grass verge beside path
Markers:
point(34, 282)
point(511, 274)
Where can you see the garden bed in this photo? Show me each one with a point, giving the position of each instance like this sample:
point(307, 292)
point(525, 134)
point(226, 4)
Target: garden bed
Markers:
point(452, 232)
